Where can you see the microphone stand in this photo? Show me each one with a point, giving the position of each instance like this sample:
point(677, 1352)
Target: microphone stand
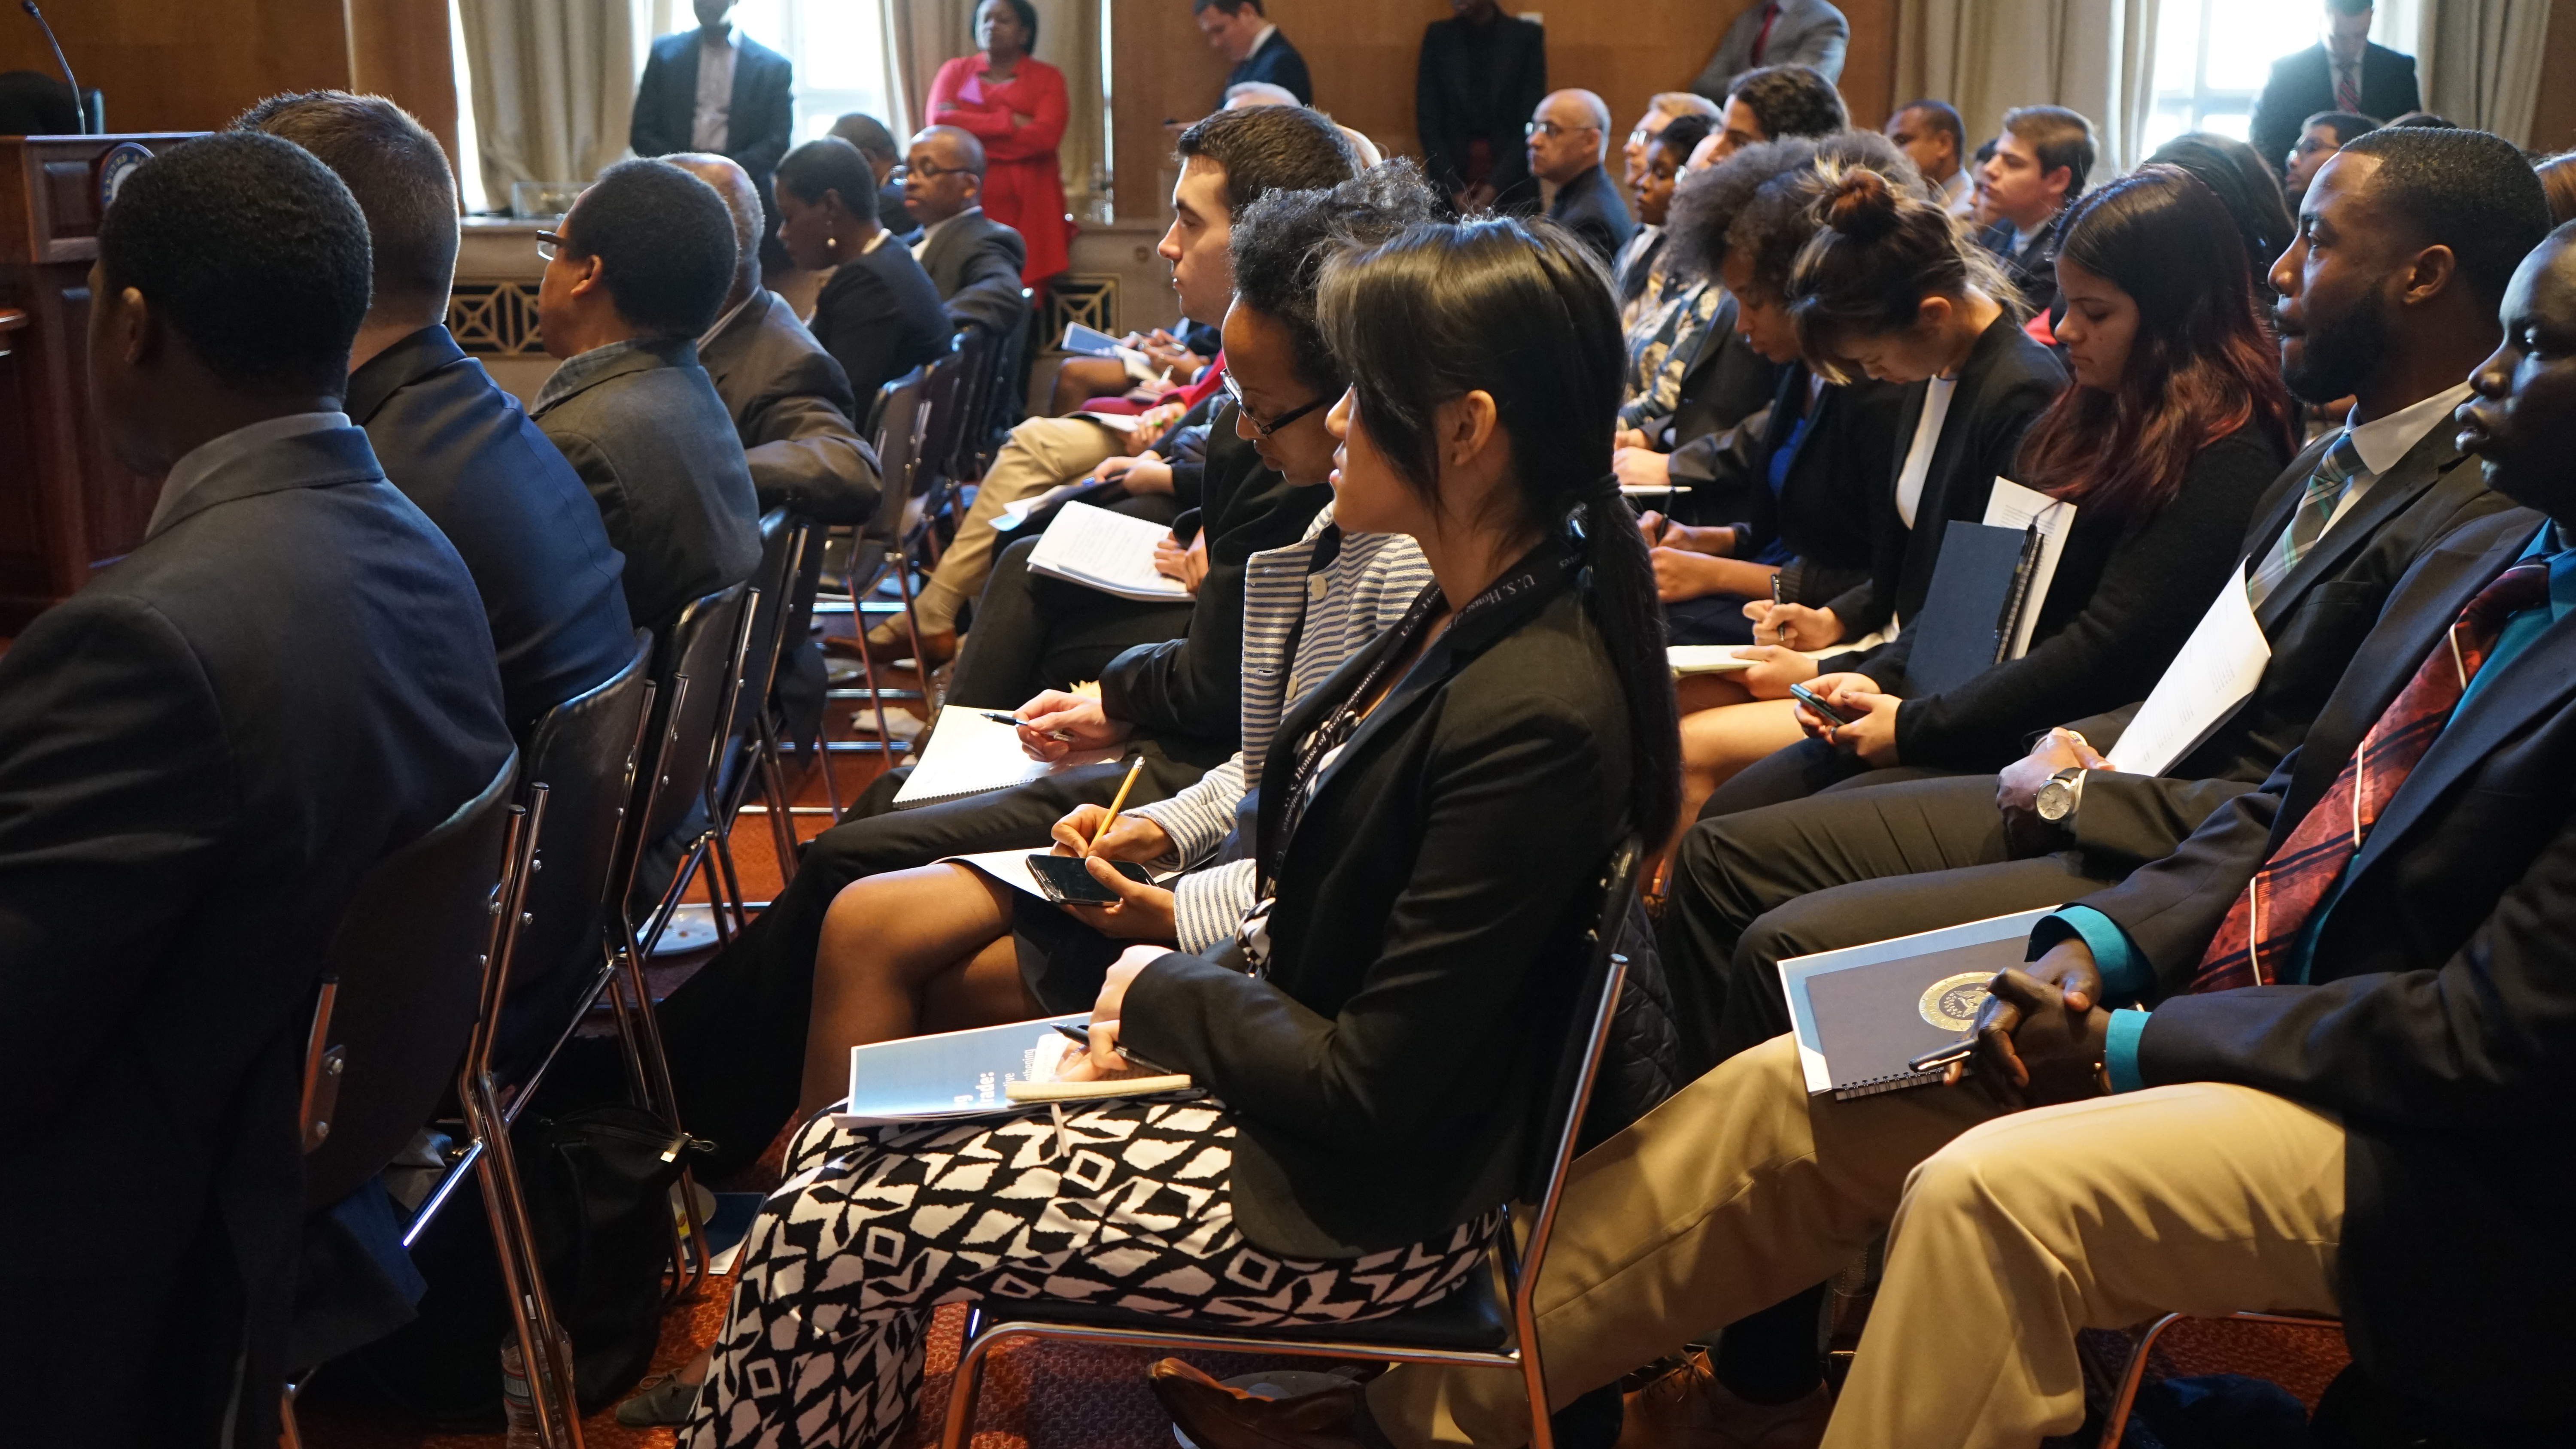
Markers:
point(80, 112)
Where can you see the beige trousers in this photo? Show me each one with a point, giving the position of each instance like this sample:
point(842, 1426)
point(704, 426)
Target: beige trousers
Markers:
point(1041, 453)
point(2008, 1233)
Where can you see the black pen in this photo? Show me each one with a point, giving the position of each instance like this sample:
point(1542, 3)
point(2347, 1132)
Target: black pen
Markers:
point(1937, 1058)
point(1075, 1033)
point(997, 717)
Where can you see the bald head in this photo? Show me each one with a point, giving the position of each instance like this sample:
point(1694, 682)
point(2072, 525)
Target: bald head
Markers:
point(1569, 134)
point(943, 174)
point(743, 200)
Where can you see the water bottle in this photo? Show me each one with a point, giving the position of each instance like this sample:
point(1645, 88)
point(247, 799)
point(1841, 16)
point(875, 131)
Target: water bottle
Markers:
point(517, 1408)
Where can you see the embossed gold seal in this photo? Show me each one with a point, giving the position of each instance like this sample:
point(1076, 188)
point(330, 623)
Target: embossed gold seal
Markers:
point(1951, 1003)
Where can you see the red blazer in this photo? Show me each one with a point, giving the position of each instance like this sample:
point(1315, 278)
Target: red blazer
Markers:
point(1022, 189)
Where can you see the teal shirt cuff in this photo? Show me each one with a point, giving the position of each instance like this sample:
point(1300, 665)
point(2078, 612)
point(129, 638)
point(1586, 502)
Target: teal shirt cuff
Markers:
point(2120, 1052)
point(2125, 973)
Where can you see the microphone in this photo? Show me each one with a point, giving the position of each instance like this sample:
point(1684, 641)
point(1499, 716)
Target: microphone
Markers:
point(80, 113)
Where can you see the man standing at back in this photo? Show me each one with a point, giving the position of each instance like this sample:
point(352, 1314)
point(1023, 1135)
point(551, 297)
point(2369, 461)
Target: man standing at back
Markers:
point(710, 89)
point(1241, 31)
point(634, 278)
point(1569, 136)
point(201, 753)
point(448, 437)
point(1777, 32)
point(1477, 71)
point(2344, 71)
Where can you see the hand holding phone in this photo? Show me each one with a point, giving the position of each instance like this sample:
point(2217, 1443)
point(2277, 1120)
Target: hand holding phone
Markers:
point(1816, 705)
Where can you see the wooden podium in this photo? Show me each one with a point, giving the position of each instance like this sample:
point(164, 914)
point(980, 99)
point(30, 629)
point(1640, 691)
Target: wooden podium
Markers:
point(66, 508)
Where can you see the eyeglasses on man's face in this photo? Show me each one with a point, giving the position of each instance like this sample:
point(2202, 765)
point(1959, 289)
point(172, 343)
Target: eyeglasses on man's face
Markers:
point(1551, 128)
point(929, 171)
point(1269, 428)
point(551, 244)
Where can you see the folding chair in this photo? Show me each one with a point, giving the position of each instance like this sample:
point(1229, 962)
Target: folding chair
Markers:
point(750, 754)
point(2124, 1396)
point(1492, 1319)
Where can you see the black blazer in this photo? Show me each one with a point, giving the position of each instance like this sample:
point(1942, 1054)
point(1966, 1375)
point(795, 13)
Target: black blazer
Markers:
point(2437, 1028)
point(794, 411)
point(1590, 206)
point(1386, 1075)
point(1193, 685)
point(2315, 620)
point(2033, 269)
point(2302, 84)
point(656, 448)
point(880, 317)
point(1824, 508)
point(974, 263)
point(2114, 617)
point(2006, 383)
point(1480, 83)
point(1278, 63)
point(1725, 383)
point(200, 754)
point(758, 127)
point(466, 454)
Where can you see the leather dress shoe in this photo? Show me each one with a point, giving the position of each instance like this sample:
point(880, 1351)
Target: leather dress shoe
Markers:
point(1215, 1416)
point(1689, 1408)
point(663, 1400)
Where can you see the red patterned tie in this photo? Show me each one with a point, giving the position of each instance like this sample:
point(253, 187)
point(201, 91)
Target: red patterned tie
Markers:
point(2264, 924)
point(1762, 38)
point(2348, 87)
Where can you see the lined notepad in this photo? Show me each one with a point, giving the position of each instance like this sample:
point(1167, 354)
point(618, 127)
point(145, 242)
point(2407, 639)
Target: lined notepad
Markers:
point(1107, 551)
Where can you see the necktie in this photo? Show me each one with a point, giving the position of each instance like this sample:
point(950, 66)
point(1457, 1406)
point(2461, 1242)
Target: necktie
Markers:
point(2278, 903)
point(2347, 87)
point(2326, 487)
point(1762, 37)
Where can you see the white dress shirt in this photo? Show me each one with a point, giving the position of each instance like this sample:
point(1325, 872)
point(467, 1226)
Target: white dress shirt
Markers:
point(714, 116)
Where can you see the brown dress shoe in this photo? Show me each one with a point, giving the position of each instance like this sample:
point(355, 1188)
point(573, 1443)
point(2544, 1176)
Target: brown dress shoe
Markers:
point(1217, 1417)
point(1689, 1408)
point(887, 643)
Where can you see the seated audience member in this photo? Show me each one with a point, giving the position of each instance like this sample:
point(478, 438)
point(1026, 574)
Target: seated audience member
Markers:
point(2349, 516)
point(2244, 186)
point(2426, 120)
point(879, 316)
point(885, 157)
point(791, 403)
point(1933, 138)
point(2324, 1107)
point(1240, 154)
point(1911, 303)
point(972, 259)
point(1774, 102)
point(201, 753)
point(1258, 93)
point(1182, 698)
point(1415, 957)
point(2037, 171)
point(2320, 136)
point(444, 432)
point(2558, 179)
point(1569, 136)
point(2176, 425)
point(633, 279)
point(1809, 470)
point(1657, 312)
point(1634, 261)
point(1639, 267)
point(1981, 206)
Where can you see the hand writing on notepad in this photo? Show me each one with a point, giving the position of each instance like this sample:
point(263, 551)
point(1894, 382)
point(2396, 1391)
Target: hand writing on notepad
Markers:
point(1793, 625)
point(1056, 724)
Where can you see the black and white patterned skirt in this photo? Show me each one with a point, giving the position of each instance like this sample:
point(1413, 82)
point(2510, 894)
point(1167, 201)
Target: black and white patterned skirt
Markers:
point(1128, 1203)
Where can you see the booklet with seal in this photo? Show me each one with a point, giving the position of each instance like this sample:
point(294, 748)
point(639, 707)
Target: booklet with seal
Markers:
point(988, 1070)
point(1863, 1012)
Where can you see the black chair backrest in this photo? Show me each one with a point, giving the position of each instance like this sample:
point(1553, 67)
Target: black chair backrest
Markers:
point(1595, 1001)
point(784, 540)
point(951, 393)
point(408, 957)
point(902, 418)
point(977, 387)
point(700, 651)
point(584, 752)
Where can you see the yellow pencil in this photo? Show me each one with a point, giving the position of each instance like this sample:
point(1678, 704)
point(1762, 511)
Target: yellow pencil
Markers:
point(1118, 803)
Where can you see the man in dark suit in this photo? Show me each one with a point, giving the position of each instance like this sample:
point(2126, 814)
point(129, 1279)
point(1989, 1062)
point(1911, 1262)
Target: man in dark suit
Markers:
point(448, 437)
point(791, 403)
point(2336, 533)
point(2343, 71)
point(1481, 74)
point(972, 259)
point(635, 277)
point(1569, 136)
point(2040, 160)
point(201, 753)
point(1243, 34)
point(710, 89)
point(1776, 32)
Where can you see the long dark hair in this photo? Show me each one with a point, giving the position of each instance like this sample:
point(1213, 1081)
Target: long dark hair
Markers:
point(1880, 249)
point(1519, 310)
point(2249, 191)
point(2200, 368)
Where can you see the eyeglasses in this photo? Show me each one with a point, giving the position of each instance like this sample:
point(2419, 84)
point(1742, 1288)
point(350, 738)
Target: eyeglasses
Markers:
point(931, 171)
point(1551, 128)
point(1268, 430)
point(550, 244)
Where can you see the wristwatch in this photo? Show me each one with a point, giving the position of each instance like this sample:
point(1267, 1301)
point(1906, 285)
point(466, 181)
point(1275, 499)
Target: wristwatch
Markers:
point(2063, 792)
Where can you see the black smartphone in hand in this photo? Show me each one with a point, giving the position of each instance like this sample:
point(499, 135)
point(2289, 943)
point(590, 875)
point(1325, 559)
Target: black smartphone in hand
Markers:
point(1816, 702)
point(1067, 880)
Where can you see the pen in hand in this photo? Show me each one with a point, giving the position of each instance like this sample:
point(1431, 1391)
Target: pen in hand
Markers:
point(997, 717)
point(1939, 1057)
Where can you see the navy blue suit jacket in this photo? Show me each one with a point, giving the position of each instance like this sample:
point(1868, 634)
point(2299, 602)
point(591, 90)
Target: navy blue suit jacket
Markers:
point(1591, 208)
point(1277, 63)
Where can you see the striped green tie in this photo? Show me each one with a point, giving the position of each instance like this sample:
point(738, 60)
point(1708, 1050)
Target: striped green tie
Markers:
point(2325, 491)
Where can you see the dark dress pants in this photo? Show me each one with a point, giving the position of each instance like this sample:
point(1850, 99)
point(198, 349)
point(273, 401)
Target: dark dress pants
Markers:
point(1031, 632)
point(1848, 866)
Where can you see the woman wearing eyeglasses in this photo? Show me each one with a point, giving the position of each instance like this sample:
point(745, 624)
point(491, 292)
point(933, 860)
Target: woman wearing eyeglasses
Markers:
point(1015, 104)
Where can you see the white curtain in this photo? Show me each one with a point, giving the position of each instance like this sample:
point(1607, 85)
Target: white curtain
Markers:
point(554, 87)
point(1986, 57)
point(2479, 62)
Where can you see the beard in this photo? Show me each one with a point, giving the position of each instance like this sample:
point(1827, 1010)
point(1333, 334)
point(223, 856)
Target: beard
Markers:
point(2337, 354)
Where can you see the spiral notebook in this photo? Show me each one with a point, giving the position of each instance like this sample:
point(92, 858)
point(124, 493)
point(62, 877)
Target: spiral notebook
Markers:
point(1861, 1013)
point(969, 754)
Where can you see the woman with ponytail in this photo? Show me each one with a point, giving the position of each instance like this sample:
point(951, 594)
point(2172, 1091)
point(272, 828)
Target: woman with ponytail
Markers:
point(1379, 1034)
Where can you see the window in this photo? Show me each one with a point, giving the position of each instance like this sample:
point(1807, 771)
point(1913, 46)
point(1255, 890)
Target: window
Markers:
point(838, 47)
point(2212, 57)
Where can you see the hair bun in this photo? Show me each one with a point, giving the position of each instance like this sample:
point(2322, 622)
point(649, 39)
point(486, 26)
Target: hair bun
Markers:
point(1861, 205)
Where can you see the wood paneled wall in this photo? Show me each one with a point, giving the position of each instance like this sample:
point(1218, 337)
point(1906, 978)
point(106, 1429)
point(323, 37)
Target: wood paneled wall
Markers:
point(2553, 122)
point(1362, 54)
point(192, 65)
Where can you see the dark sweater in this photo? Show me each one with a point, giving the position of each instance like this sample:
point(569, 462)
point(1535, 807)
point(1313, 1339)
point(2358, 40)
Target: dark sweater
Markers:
point(2125, 596)
point(880, 317)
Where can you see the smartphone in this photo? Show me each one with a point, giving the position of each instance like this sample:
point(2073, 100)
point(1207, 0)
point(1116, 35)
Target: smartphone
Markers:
point(1814, 701)
point(1067, 881)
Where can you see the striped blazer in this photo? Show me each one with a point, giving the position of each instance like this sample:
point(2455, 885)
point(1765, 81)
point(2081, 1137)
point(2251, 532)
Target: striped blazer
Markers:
point(1306, 608)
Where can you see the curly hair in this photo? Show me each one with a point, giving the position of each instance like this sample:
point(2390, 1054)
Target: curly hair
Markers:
point(1749, 203)
point(1791, 100)
point(1279, 242)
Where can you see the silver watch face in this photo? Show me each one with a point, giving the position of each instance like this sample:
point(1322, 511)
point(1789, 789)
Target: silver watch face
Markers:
point(2056, 801)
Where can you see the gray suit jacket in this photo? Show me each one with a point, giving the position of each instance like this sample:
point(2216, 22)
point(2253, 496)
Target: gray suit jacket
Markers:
point(793, 409)
point(975, 263)
point(644, 428)
point(1808, 32)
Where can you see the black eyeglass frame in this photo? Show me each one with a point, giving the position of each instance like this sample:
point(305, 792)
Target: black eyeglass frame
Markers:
point(1270, 429)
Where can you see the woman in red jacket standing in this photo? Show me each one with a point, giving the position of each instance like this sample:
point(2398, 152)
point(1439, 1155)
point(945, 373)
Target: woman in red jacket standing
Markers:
point(1015, 104)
